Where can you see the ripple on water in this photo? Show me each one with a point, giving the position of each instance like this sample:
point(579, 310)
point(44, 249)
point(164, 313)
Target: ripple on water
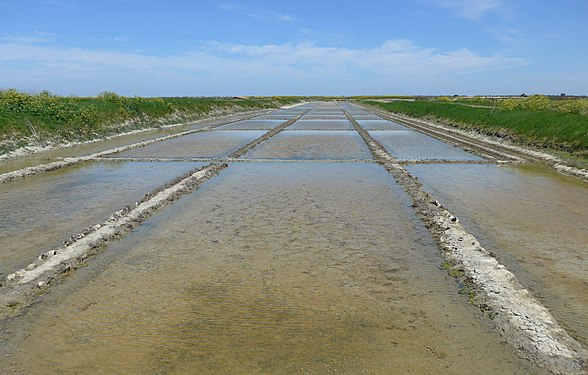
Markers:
point(209, 144)
point(269, 268)
point(312, 144)
point(43, 210)
point(534, 220)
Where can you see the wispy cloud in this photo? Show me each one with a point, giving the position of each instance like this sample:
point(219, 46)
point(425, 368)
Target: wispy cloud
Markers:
point(261, 14)
point(36, 37)
point(471, 9)
point(225, 65)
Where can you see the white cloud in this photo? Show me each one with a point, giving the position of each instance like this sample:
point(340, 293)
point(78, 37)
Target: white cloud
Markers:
point(471, 9)
point(277, 66)
point(285, 17)
point(254, 13)
point(36, 37)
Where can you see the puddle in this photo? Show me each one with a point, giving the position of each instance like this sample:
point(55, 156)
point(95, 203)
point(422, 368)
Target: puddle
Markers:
point(321, 125)
point(533, 219)
point(380, 125)
point(413, 145)
point(310, 144)
point(270, 268)
point(42, 211)
point(210, 144)
point(252, 125)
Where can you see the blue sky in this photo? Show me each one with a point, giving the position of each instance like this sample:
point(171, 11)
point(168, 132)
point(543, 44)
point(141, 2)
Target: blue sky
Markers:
point(231, 47)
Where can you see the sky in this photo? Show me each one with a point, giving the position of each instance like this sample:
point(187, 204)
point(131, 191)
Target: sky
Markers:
point(354, 47)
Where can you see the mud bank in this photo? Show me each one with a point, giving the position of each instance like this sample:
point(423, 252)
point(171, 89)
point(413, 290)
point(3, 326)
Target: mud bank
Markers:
point(516, 314)
point(484, 145)
point(66, 162)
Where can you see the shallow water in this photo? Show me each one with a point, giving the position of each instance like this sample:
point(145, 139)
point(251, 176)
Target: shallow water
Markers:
point(413, 145)
point(535, 220)
point(313, 116)
point(282, 117)
point(91, 148)
point(252, 125)
point(310, 144)
point(80, 150)
point(269, 268)
point(41, 211)
point(321, 125)
point(380, 125)
point(211, 144)
point(359, 117)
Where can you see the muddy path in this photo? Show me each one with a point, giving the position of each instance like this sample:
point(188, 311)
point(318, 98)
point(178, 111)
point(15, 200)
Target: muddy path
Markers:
point(305, 243)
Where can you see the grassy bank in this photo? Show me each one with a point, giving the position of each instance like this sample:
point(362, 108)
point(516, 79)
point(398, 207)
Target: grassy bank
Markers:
point(558, 126)
point(27, 119)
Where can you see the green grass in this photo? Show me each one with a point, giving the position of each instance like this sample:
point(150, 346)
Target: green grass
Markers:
point(542, 128)
point(36, 118)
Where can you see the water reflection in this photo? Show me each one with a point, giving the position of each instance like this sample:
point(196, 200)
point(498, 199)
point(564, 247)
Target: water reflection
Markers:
point(270, 268)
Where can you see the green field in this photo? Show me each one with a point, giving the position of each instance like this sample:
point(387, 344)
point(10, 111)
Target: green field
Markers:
point(27, 119)
point(538, 121)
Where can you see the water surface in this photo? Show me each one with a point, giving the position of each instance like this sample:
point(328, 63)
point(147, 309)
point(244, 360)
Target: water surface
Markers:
point(380, 125)
point(321, 125)
point(41, 211)
point(534, 219)
point(270, 268)
point(211, 144)
point(409, 144)
point(310, 144)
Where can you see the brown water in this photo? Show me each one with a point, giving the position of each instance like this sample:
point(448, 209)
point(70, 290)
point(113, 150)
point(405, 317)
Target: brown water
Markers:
point(39, 212)
point(211, 144)
point(310, 144)
point(535, 220)
point(273, 268)
point(409, 144)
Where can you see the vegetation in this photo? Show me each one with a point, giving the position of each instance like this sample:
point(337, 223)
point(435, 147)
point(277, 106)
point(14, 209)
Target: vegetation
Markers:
point(26, 118)
point(558, 124)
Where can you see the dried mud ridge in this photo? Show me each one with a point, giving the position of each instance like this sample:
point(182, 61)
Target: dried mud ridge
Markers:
point(19, 289)
point(515, 313)
point(485, 146)
point(66, 162)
